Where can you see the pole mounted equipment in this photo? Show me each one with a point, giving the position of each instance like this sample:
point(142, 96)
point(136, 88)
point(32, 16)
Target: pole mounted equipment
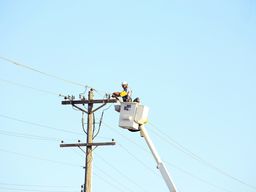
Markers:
point(87, 187)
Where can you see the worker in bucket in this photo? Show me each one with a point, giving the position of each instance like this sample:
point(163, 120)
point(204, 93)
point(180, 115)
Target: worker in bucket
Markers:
point(125, 94)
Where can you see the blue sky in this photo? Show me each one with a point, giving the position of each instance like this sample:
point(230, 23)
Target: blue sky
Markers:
point(191, 62)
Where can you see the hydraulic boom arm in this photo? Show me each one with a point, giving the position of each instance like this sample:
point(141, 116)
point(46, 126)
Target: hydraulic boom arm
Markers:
point(160, 165)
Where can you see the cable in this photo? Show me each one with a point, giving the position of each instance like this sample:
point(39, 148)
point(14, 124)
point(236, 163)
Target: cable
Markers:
point(180, 169)
point(111, 177)
point(138, 160)
point(196, 177)
point(38, 125)
point(43, 73)
point(83, 123)
point(27, 136)
point(29, 87)
point(117, 170)
point(186, 151)
point(34, 185)
point(126, 138)
point(112, 184)
point(40, 158)
point(93, 118)
point(82, 150)
point(48, 74)
point(121, 173)
point(101, 119)
point(18, 189)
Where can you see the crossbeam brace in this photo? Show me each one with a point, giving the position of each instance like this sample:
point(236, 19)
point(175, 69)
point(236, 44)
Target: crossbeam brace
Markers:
point(84, 101)
point(87, 144)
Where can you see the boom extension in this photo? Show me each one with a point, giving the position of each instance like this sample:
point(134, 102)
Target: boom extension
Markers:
point(160, 165)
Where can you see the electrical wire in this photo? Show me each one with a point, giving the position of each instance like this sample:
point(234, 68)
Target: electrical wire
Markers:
point(121, 173)
point(38, 125)
point(112, 178)
point(171, 164)
point(93, 124)
point(196, 177)
point(117, 170)
point(28, 87)
point(35, 185)
point(145, 150)
point(100, 122)
point(110, 183)
point(40, 158)
point(10, 61)
point(137, 159)
point(186, 151)
point(43, 73)
point(83, 123)
point(106, 174)
point(181, 148)
point(36, 190)
point(27, 136)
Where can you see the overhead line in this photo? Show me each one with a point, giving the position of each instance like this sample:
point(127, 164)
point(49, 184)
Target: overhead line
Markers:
point(140, 161)
point(186, 151)
point(128, 139)
point(34, 185)
point(112, 178)
point(43, 73)
point(120, 173)
point(112, 184)
point(171, 164)
point(196, 177)
point(29, 87)
point(40, 158)
point(38, 125)
point(36, 190)
point(51, 75)
point(27, 136)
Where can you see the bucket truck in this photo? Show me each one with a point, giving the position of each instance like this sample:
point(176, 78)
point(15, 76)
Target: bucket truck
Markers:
point(133, 116)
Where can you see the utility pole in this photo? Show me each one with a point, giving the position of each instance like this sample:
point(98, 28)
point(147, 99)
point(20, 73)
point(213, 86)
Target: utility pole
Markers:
point(89, 140)
point(88, 158)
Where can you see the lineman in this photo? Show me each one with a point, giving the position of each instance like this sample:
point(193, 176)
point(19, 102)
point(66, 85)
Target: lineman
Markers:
point(125, 94)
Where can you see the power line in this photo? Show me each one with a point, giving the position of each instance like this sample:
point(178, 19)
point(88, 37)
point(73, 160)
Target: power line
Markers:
point(112, 178)
point(121, 173)
point(112, 184)
point(49, 75)
point(186, 151)
point(196, 177)
point(130, 153)
point(27, 136)
point(40, 158)
point(137, 159)
point(117, 171)
point(75, 83)
point(126, 138)
point(37, 124)
point(35, 185)
point(28, 87)
point(42, 73)
point(171, 164)
point(36, 190)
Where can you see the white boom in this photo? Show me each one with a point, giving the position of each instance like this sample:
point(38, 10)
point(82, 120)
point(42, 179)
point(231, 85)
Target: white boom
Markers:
point(133, 116)
point(160, 165)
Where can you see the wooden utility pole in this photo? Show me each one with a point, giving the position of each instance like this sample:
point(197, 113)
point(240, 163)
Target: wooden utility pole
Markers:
point(88, 158)
point(89, 140)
